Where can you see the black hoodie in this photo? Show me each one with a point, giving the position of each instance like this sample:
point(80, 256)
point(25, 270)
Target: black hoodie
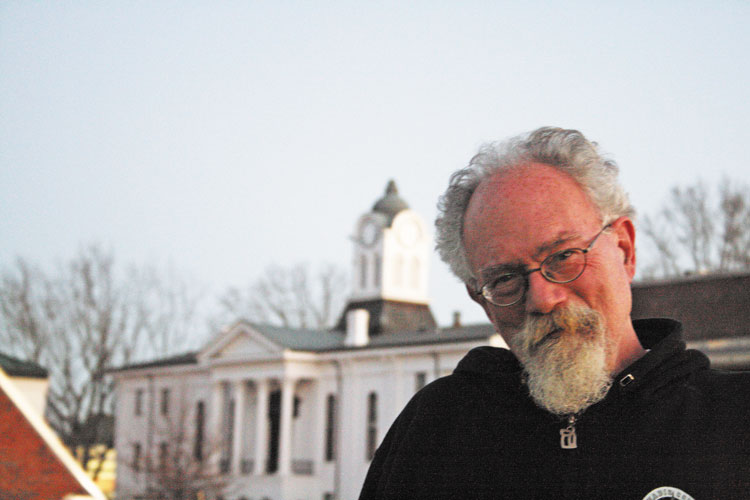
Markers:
point(669, 427)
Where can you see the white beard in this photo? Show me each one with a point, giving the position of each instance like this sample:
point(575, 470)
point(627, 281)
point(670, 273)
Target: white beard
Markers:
point(567, 371)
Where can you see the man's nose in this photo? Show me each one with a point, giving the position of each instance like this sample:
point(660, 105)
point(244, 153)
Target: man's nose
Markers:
point(543, 296)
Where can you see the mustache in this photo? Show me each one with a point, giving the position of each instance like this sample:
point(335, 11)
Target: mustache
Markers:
point(578, 320)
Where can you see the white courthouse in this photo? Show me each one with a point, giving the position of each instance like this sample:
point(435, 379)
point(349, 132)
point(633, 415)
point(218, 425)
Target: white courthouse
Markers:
point(287, 414)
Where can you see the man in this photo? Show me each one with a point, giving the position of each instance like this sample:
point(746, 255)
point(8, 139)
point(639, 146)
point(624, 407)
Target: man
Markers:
point(587, 403)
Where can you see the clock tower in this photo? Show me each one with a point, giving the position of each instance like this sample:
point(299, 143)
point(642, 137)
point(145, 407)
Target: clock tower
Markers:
point(390, 267)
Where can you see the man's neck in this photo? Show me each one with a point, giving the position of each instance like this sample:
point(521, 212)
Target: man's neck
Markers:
point(627, 351)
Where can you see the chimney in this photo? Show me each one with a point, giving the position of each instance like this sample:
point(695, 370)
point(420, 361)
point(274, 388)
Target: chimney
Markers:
point(357, 325)
point(456, 319)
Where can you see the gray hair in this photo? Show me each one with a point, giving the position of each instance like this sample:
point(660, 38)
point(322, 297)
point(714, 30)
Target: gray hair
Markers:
point(567, 150)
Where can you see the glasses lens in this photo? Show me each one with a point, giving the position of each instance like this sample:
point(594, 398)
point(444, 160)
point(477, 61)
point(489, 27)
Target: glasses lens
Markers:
point(564, 266)
point(504, 290)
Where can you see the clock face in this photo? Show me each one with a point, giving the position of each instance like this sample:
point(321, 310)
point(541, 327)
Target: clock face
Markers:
point(369, 233)
point(409, 233)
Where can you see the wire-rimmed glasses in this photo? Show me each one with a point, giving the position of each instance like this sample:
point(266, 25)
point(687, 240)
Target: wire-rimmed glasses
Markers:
point(560, 267)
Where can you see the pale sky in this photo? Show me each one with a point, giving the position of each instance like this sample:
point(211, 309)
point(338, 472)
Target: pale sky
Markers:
point(221, 137)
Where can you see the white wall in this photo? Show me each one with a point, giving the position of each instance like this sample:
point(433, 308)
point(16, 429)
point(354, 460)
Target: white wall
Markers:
point(34, 390)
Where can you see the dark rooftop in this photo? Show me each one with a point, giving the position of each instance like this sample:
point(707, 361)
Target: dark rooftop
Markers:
point(188, 358)
point(18, 368)
point(709, 306)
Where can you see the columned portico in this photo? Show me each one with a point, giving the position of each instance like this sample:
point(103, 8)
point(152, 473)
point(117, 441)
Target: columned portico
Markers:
point(266, 426)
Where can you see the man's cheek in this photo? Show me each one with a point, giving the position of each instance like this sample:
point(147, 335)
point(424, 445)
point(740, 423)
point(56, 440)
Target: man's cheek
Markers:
point(507, 318)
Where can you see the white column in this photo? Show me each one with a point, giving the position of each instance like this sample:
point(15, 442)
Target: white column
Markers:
point(285, 432)
point(239, 425)
point(261, 426)
point(321, 405)
point(216, 422)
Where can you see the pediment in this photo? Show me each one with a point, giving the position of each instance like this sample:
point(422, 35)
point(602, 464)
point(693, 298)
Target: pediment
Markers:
point(245, 345)
point(240, 341)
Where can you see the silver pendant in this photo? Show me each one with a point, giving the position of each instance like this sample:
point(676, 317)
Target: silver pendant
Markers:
point(568, 438)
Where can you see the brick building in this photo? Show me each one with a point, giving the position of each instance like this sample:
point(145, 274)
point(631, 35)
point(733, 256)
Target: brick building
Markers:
point(34, 464)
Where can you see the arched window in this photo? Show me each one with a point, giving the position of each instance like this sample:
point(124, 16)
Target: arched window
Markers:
point(363, 271)
point(138, 410)
point(165, 401)
point(200, 424)
point(372, 425)
point(163, 455)
point(137, 457)
point(330, 428)
point(378, 269)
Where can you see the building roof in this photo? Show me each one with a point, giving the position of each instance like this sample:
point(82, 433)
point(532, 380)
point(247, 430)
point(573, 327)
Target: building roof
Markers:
point(15, 367)
point(709, 306)
point(439, 336)
point(300, 339)
point(330, 341)
point(391, 203)
point(390, 317)
point(186, 358)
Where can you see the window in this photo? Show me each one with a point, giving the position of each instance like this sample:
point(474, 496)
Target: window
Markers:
point(420, 380)
point(136, 457)
point(296, 407)
point(378, 270)
point(363, 272)
point(165, 401)
point(330, 428)
point(200, 424)
point(138, 410)
point(372, 425)
point(163, 455)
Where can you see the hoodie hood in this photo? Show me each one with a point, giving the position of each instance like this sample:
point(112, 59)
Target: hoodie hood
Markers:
point(489, 361)
point(666, 362)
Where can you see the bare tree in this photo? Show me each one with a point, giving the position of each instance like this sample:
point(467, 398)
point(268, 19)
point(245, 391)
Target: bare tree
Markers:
point(294, 297)
point(82, 320)
point(181, 465)
point(693, 233)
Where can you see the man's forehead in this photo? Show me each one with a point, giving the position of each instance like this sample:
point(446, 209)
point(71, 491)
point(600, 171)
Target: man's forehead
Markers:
point(530, 192)
point(525, 213)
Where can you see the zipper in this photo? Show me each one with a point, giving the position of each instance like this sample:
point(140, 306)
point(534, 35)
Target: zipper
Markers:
point(568, 437)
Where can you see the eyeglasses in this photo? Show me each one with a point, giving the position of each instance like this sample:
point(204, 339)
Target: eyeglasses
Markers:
point(560, 267)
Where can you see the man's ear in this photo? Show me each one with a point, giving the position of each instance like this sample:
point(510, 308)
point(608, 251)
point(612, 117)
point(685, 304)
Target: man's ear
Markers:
point(624, 229)
point(475, 296)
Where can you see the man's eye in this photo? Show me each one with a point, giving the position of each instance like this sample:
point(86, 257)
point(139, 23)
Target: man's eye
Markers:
point(504, 280)
point(561, 256)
